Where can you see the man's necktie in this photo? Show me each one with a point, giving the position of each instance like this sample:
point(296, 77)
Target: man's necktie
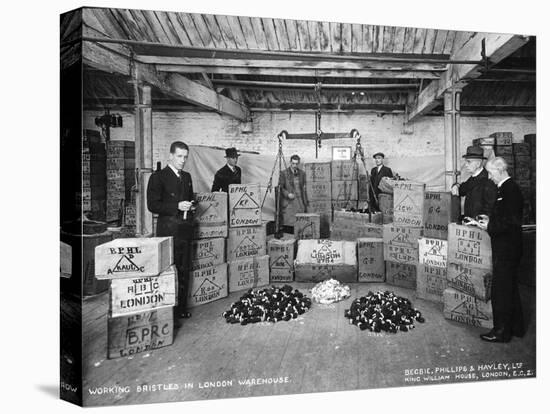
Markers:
point(180, 175)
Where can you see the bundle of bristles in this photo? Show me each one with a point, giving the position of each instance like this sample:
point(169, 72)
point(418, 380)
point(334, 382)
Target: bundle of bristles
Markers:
point(271, 304)
point(383, 311)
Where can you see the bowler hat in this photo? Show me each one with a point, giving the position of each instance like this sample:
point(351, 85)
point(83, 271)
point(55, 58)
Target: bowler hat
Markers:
point(378, 154)
point(231, 153)
point(474, 152)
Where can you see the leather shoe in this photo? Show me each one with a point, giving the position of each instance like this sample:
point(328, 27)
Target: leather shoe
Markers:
point(495, 336)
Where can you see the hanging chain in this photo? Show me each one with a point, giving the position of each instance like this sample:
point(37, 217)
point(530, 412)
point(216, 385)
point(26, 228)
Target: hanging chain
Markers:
point(318, 131)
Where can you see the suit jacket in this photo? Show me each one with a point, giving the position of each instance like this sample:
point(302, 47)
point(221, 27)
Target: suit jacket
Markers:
point(164, 192)
point(505, 222)
point(286, 182)
point(224, 176)
point(376, 176)
point(480, 193)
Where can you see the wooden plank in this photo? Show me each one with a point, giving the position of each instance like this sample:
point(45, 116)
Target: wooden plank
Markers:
point(449, 42)
point(238, 35)
point(178, 29)
point(188, 24)
point(259, 33)
point(214, 30)
point(419, 38)
point(323, 29)
point(150, 18)
point(303, 35)
point(368, 38)
point(429, 41)
point(304, 64)
point(106, 21)
point(248, 32)
point(346, 38)
point(70, 24)
point(408, 44)
point(380, 39)
point(167, 25)
point(380, 74)
point(227, 32)
point(498, 46)
point(399, 39)
point(270, 35)
point(127, 24)
point(202, 29)
point(357, 38)
point(282, 36)
point(313, 31)
point(387, 46)
point(137, 295)
point(293, 38)
point(336, 37)
point(143, 25)
point(439, 44)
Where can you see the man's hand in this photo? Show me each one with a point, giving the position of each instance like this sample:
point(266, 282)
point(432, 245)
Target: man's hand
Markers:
point(184, 205)
point(483, 221)
point(454, 189)
point(290, 196)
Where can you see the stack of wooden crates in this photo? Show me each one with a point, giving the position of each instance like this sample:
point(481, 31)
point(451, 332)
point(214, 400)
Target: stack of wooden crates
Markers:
point(120, 178)
point(93, 196)
point(142, 293)
point(319, 193)
point(247, 257)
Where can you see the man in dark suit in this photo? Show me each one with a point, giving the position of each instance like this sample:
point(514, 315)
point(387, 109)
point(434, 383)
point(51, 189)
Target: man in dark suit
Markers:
point(292, 182)
point(479, 190)
point(376, 174)
point(170, 195)
point(504, 227)
point(230, 173)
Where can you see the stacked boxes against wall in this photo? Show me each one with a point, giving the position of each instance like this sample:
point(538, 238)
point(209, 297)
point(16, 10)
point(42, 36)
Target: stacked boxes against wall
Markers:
point(120, 178)
point(523, 175)
point(344, 192)
point(503, 148)
point(469, 274)
point(208, 277)
point(142, 294)
point(351, 225)
point(319, 192)
point(401, 236)
point(488, 145)
point(440, 209)
point(93, 196)
point(246, 245)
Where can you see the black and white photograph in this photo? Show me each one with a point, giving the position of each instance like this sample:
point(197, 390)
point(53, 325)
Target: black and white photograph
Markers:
point(280, 209)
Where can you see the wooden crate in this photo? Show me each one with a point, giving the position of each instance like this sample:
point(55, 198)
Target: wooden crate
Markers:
point(401, 243)
point(343, 170)
point(440, 209)
point(246, 242)
point(281, 258)
point(521, 148)
point(207, 285)
point(210, 218)
point(470, 246)
point(503, 150)
point(463, 308)
point(250, 273)
point(432, 252)
point(399, 274)
point(370, 260)
point(132, 334)
point(207, 252)
point(470, 280)
point(408, 204)
point(344, 204)
point(245, 205)
point(137, 295)
point(344, 190)
point(502, 138)
point(324, 209)
point(385, 204)
point(317, 171)
point(318, 190)
point(318, 260)
point(363, 188)
point(484, 141)
point(133, 257)
point(65, 260)
point(307, 226)
point(431, 281)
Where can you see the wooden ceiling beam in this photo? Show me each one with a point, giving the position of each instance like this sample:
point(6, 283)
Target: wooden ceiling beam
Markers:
point(299, 64)
point(312, 73)
point(497, 47)
point(116, 59)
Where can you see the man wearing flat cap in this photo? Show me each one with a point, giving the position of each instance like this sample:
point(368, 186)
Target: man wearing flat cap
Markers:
point(229, 173)
point(480, 193)
point(376, 174)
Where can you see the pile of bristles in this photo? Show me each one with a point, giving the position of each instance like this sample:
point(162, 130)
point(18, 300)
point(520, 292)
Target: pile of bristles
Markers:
point(271, 304)
point(383, 311)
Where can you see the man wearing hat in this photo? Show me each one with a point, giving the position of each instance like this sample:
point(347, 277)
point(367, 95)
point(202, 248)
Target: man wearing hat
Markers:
point(376, 174)
point(229, 173)
point(480, 192)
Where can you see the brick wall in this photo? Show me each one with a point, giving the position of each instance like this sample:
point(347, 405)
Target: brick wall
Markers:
point(380, 133)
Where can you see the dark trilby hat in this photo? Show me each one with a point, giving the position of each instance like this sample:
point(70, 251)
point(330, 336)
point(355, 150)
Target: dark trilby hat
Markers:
point(231, 153)
point(474, 152)
point(378, 154)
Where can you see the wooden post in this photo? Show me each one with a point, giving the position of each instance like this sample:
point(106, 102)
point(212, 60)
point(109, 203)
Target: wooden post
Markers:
point(451, 102)
point(144, 157)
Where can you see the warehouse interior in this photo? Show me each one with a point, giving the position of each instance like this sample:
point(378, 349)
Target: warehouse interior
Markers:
point(420, 96)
